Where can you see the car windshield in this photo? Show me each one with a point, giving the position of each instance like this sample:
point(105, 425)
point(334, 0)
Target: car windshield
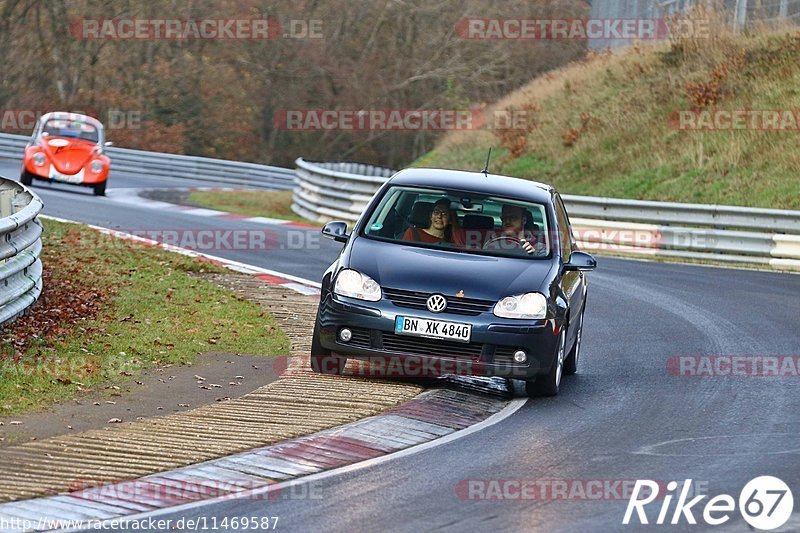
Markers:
point(76, 129)
point(460, 221)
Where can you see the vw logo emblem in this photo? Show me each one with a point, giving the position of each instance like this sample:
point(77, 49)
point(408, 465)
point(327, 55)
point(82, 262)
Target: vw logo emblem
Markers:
point(436, 303)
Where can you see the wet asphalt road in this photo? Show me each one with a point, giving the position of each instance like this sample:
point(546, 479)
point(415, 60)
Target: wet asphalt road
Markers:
point(624, 416)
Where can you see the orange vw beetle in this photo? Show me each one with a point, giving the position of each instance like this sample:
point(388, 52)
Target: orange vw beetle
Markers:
point(68, 148)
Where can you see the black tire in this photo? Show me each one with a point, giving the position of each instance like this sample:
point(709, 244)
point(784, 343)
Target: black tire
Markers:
point(571, 362)
point(100, 189)
point(324, 361)
point(26, 178)
point(550, 384)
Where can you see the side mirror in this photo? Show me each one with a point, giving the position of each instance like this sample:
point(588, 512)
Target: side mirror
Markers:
point(580, 261)
point(336, 230)
point(108, 143)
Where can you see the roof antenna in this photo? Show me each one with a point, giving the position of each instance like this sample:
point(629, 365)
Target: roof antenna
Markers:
point(486, 168)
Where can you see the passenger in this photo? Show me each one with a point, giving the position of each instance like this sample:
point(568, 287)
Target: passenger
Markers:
point(443, 227)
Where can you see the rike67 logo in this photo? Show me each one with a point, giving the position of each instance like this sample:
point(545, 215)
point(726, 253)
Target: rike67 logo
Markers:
point(765, 503)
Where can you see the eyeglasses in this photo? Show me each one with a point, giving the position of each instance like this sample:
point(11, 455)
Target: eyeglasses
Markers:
point(441, 213)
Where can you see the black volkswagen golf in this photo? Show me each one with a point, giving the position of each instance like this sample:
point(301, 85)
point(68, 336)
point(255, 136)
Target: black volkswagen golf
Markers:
point(456, 272)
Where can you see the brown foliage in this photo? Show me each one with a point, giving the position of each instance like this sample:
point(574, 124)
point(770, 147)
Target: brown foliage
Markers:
point(219, 98)
point(518, 123)
point(710, 92)
point(67, 301)
point(572, 135)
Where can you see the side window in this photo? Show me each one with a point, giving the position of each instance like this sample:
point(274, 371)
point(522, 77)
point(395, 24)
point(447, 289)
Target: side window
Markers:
point(564, 231)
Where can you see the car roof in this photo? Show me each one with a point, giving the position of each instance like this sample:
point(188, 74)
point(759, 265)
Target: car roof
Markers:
point(493, 184)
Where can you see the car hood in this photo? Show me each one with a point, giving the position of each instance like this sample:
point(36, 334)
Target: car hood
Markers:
point(399, 266)
point(68, 155)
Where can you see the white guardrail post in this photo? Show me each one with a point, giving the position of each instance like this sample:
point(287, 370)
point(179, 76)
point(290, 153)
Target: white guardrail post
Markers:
point(728, 234)
point(160, 165)
point(20, 250)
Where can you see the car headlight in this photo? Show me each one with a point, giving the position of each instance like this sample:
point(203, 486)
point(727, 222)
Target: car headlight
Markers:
point(530, 305)
point(96, 166)
point(356, 285)
point(38, 159)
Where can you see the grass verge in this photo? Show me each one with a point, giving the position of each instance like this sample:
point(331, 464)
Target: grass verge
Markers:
point(111, 307)
point(610, 125)
point(271, 204)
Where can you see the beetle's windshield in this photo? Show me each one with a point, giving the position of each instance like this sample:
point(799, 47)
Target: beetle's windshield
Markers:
point(76, 129)
point(461, 221)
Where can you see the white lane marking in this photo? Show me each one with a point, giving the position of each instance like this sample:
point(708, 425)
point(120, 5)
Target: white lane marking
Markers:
point(506, 412)
point(230, 263)
point(648, 449)
point(202, 212)
point(269, 221)
point(131, 196)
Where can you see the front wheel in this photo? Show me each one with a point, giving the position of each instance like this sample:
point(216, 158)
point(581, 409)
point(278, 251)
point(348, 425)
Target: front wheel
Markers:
point(324, 361)
point(100, 189)
point(550, 384)
point(26, 178)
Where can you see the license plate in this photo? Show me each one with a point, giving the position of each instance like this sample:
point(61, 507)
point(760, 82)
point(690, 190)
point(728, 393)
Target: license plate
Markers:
point(58, 176)
point(435, 329)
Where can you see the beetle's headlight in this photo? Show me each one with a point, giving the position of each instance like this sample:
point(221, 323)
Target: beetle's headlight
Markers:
point(356, 285)
point(96, 166)
point(38, 159)
point(530, 305)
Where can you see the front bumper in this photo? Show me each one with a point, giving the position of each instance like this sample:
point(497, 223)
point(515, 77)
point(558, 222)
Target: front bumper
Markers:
point(489, 352)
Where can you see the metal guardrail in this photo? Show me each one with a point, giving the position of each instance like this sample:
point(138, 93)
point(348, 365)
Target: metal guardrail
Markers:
point(729, 234)
point(20, 250)
point(156, 164)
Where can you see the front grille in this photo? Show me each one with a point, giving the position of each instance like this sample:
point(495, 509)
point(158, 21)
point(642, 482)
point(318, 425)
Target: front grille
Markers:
point(457, 306)
point(421, 346)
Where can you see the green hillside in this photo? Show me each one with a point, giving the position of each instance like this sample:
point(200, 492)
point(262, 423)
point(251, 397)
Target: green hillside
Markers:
point(610, 125)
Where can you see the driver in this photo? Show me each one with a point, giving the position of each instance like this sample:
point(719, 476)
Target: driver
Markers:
point(513, 232)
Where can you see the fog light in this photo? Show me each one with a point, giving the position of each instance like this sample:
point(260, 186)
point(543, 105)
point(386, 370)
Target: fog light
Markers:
point(345, 335)
point(520, 356)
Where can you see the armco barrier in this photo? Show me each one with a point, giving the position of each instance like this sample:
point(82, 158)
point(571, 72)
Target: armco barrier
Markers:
point(728, 234)
point(20, 250)
point(156, 164)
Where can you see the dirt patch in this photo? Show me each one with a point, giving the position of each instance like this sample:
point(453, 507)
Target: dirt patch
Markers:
point(172, 196)
point(156, 392)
